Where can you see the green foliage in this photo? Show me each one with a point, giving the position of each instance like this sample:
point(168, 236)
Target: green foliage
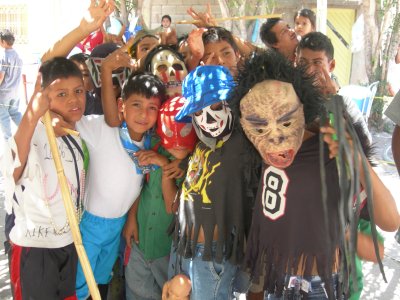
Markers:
point(130, 5)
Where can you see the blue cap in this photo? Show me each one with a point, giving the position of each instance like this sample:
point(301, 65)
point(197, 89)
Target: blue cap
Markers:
point(202, 87)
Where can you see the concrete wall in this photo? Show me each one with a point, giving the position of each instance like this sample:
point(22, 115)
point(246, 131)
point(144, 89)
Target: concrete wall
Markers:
point(153, 10)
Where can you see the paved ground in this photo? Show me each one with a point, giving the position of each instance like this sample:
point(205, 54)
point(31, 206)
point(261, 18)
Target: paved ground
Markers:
point(374, 285)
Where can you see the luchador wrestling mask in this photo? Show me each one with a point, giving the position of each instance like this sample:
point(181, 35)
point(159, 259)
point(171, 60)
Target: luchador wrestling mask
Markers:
point(173, 134)
point(216, 120)
point(272, 118)
point(206, 89)
point(95, 60)
point(170, 68)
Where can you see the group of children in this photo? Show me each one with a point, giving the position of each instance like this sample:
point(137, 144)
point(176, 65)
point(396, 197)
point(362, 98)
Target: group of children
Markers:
point(223, 148)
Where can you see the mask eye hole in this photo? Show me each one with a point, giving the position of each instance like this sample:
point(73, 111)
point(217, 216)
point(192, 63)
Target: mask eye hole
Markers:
point(287, 124)
point(162, 68)
point(216, 106)
point(186, 129)
point(177, 67)
point(168, 132)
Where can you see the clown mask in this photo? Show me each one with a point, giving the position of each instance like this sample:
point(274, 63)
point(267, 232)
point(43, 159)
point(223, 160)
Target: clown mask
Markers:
point(215, 120)
point(170, 69)
point(272, 118)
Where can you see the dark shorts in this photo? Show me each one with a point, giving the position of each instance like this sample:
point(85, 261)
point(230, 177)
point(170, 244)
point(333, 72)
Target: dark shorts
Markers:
point(44, 274)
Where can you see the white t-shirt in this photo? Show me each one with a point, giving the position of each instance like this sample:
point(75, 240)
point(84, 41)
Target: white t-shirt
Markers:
point(112, 184)
point(40, 217)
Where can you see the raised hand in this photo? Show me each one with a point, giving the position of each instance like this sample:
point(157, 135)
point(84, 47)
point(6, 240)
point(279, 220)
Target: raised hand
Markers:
point(96, 15)
point(202, 19)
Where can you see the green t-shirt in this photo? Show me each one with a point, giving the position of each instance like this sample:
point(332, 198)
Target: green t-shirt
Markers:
point(364, 227)
point(153, 220)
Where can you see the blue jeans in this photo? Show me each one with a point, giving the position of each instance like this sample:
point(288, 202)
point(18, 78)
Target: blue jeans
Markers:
point(9, 110)
point(210, 280)
point(293, 289)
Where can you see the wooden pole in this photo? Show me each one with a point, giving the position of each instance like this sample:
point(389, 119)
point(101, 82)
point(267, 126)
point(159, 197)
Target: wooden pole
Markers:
point(70, 210)
point(219, 20)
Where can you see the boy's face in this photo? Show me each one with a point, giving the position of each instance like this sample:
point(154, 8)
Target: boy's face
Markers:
point(272, 118)
point(140, 114)
point(315, 62)
point(68, 98)
point(165, 22)
point(302, 26)
point(287, 39)
point(87, 79)
point(145, 46)
point(221, 54)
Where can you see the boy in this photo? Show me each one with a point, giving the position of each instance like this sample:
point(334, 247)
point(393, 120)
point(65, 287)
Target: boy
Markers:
point(10, 77)
point(118, 179)
point(315, 53)
point(277, 34)
point(150, 217)
point(278, 109)
point(41, 239)
point(216, 196)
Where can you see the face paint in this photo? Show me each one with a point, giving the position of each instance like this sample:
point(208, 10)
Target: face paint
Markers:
point(175, 135)
point(272, 118)
point(215, 120)
point(170, 69)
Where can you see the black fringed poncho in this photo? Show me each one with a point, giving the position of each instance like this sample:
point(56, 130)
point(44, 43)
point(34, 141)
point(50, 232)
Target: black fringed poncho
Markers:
point(288, 220)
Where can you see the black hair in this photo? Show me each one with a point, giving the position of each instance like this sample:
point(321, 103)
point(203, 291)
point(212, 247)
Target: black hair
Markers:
point(145, 84)
point(270, 65)
point(79, 58)
point(317, 41)
point(56, 68)
point(268, 37)
point(306, 13)
point(8, 37)
point(217, 34)
point(166, 17)
point(183, 38)
point(154, 51)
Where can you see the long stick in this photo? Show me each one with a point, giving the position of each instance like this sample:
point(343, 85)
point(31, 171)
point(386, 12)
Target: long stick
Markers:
point(219, 20)
point(69, 208)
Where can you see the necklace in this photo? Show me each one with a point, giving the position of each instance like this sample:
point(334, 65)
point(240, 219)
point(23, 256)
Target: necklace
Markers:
point(77, 193)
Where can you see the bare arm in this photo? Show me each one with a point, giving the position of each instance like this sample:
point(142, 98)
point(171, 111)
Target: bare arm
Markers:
point(37, 106)
point(119, 58)
point(385, 210)
point(397, 57)
point(1, 77)
point(365, 248)
point(169, 190)
point(92, 21)
point(130, 231)
point(396, 147)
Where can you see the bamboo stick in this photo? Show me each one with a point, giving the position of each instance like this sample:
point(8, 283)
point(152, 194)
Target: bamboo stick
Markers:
point(69, 208)
point(219, 20)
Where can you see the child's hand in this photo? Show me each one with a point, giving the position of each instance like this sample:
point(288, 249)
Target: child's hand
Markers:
point(150, 157)
point(60, 126)
point(96, 15)
point(118, 59)
point(333, 144)
point(172, 170)
point(202, 19)
point(195, 42)
point(130, 231)
point(40, 101)
point(326, 84)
